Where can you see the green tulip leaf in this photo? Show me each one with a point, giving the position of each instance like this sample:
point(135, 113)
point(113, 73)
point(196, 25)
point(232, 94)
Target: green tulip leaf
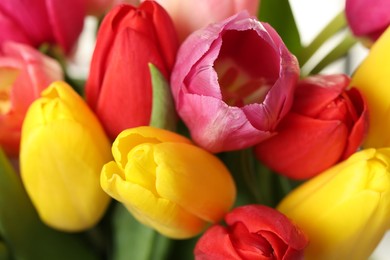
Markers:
point(163, 109)
point(23, 232)
point(4, 253)
point(132, 240)
point(271, 12)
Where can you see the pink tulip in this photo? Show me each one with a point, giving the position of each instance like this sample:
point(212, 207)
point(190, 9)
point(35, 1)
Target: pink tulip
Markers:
point(24, 73)
point(191, 15)
point(35, 22)
point(233, 82)
point(368, 18)
point(252, 232)
point(326, 124)
point(100, 7)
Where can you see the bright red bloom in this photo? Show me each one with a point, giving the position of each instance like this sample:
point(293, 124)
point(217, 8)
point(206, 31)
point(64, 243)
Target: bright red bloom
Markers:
point(35, 22)
point(119, 87)
point(326, 124)
point(24, 73)
point(368, 18)
point(233, 82)
point(252, 232)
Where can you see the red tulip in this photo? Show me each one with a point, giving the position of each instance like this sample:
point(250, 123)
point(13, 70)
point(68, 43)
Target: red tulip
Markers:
point(24, 73)
point(119, 85)
point(326, 124)
point(252, 232)
point(233, 82)
point(35, 22)
point(368, 18)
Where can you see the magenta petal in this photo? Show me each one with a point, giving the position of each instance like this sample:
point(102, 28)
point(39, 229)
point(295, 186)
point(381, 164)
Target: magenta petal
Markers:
point(66, 26)
point(367, 17)
point(208, 57)
point(218, 127)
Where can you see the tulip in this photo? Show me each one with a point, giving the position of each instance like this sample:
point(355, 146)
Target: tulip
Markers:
point(158, 176)
point(42, 21)
point(119, 87)
point(24, 73)
point(366, 18)
point(326, 124)
point(233, 82)
point(372, 79)
point(63, 149)
point(252, 232)
point(345, 210)
point(191, 15)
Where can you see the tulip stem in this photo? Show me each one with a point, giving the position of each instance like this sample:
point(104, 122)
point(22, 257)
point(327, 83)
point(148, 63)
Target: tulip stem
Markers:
point(339, 51)
point(337, 24)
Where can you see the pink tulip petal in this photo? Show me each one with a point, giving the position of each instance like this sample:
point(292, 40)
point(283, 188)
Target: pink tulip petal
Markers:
point(217, 126)
point(66, 26)
point(368, 18)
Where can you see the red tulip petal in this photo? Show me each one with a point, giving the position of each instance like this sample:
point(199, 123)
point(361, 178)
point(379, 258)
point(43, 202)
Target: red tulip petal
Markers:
point(215, 244)
point(304, 146)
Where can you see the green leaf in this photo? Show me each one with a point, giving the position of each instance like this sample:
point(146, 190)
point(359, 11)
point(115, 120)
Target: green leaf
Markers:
point(279, 15)
point(4, 253)
point(163, 109)
point(132, 240)
point(23, 232)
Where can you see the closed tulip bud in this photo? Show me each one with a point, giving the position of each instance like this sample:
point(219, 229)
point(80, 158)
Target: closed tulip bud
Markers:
point(207, 11)
point(36, 22)
point(326, 124)
point(24, 73)
point(252, 232)
point(368, 19)
point(166, 182)
point(345, 210)
point(63, 149)
point(233, 82)
point(129, 39)
point(372, 79)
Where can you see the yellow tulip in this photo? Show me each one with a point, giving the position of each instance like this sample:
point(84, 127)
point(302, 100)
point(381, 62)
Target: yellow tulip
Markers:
point(168, 183)
point(63, 149)
point(345, 211)
point(372, 79)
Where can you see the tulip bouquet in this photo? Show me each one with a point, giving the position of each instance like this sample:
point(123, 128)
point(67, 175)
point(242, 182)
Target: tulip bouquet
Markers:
point(195, 135)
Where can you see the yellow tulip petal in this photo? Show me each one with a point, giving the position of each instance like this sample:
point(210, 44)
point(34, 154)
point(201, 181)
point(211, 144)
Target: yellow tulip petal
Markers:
point(130, 138)
point(165, 216)
point(194, 179)
point(61, 175)
point(372, 79)
point(344, 210)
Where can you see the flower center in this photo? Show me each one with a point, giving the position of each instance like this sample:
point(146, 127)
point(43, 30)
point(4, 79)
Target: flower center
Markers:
point(247, 67)
point(7, 78)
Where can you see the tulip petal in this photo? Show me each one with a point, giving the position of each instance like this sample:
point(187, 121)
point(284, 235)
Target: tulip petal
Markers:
point(183, 169)
point(165, 216)
point(223, 128)
point(51, 186)
point(215, 244)
point(308, 134)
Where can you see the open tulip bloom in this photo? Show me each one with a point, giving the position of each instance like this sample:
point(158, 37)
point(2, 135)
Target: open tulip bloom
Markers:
point(233, 81)
point(200, 132)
